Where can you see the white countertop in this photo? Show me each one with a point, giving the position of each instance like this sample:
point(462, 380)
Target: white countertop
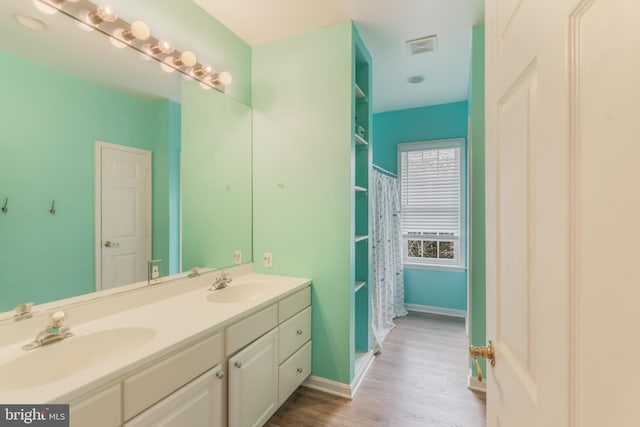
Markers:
point(177, 321)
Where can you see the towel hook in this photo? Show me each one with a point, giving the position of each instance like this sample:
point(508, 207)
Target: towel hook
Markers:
point(4, 207)
point(52, 209)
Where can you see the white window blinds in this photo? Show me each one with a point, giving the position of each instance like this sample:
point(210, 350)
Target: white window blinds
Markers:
point(431, 187)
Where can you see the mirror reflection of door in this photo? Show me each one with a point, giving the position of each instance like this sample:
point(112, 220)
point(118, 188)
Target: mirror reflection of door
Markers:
point(123, 215)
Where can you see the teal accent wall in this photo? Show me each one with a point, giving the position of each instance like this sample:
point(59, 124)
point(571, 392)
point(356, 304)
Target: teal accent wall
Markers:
point(303, 179)
point(478, 334)
point(216, 192)
point(436, 288)
point(50, 125)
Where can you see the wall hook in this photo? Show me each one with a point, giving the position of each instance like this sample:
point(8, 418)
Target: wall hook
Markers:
point(4, 207)
point(52, 209)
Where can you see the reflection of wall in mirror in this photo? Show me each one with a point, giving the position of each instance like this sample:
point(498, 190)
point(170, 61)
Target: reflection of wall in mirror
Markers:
point(50, 122)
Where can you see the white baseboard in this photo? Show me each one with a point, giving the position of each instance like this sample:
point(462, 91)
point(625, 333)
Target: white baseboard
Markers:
point(474, 384)
point(328, 386)
point(359, 375)
point(348, 391)
point(436, 310)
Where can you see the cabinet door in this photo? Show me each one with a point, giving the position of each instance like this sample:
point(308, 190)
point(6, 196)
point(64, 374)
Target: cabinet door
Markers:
point(253, 382)
point(198, 404)
point(100, 410)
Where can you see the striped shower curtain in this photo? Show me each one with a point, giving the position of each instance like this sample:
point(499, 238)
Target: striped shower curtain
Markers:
point(387, 276)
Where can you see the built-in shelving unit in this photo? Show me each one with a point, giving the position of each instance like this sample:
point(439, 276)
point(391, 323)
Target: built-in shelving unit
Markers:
point(362, 155)
point(360, 141)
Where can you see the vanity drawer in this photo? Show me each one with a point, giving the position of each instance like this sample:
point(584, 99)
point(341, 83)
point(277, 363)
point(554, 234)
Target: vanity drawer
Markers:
point(294, 304)
point(100, 410)
point(293, 333)
point(293, 372)
point(154, 383)
point(247, 330)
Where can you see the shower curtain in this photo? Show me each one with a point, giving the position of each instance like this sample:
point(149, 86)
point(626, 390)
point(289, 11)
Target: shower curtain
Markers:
point(387, 276)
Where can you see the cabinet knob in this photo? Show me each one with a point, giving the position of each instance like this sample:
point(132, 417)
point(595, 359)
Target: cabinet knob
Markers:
point(220, 375)
point(299, 370)
point(299, 331)
point(237, 364)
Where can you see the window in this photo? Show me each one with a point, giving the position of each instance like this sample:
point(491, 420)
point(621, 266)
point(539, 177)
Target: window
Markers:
point(432, 189)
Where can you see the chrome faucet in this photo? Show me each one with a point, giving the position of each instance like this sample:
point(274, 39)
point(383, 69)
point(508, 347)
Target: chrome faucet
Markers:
point(221, 282)
point(23, 311)
point(55, 331)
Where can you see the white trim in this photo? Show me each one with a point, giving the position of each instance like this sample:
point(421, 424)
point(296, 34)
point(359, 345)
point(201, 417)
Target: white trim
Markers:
point(327, 386)
point(98, 202)
point(474, 384)
point(359, 375)
point(415, 266)
point(451, 312)
point(347, 391)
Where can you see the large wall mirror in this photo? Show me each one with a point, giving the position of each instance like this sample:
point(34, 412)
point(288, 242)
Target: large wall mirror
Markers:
point(63, 90)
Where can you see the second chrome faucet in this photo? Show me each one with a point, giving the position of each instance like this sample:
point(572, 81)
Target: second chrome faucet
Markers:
point(221, 282)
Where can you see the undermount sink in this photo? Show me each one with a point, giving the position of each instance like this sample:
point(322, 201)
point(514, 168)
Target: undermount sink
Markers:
point(238, 293)
point(58, 360)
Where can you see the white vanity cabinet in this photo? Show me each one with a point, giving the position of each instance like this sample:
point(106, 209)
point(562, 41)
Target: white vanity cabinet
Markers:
point(198, 404)
point(264, 373)
point(102, 409)
point(253, 382)
point(237, 376)
point(171, 394)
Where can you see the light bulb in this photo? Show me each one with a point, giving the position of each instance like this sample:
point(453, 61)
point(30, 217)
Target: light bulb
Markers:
point(203, 70)
point(163, 46)
point(116, 42)
point(139, 30)
point(166, 65)
point(224, 78)
point(104, 13)
point(187, 58)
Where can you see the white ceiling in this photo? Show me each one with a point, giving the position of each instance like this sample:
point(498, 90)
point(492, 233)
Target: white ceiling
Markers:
point(385, 26)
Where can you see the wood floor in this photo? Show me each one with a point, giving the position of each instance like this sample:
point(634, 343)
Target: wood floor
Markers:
point(419, 379)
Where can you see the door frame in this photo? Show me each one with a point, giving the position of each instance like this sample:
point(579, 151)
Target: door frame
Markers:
point(99, 145)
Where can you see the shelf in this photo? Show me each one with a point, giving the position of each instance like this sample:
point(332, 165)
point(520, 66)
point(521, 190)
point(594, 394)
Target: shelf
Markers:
point(360, 95)
point(360, 189)
point(360, 140)
point(360, 285)
point(361, 238)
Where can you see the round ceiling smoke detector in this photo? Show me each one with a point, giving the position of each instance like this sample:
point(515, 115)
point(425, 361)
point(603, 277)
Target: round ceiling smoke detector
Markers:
point(30, 22)
point(414, 80)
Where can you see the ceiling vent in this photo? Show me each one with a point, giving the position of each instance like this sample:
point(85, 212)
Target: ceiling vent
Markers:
point(423, 44)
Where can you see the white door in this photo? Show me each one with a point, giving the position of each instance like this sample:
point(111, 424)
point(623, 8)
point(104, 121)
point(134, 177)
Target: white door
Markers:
point(123, 215)
point(563, 209)
point(253, 382)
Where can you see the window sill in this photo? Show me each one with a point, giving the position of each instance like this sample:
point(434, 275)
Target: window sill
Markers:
point(451, 268)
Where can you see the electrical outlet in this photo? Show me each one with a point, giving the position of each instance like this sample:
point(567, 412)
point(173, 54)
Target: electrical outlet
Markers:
point(155, 272)
point(268, 259)
point(237, 257)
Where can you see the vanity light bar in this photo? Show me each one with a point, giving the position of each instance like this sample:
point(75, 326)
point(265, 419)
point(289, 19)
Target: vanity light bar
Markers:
point(137, 36)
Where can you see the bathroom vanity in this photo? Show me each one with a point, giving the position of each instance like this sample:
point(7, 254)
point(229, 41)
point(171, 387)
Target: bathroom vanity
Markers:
point(188, 356)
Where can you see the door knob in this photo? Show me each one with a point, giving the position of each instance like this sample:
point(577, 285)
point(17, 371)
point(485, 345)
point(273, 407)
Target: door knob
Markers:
point(486, 352)
point(110, 244)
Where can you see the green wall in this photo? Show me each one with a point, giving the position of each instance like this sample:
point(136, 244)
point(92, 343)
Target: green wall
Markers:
point(427, 287)
point(478, 334)
point(303, 179)
point(216, 192)
point(50, 122)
